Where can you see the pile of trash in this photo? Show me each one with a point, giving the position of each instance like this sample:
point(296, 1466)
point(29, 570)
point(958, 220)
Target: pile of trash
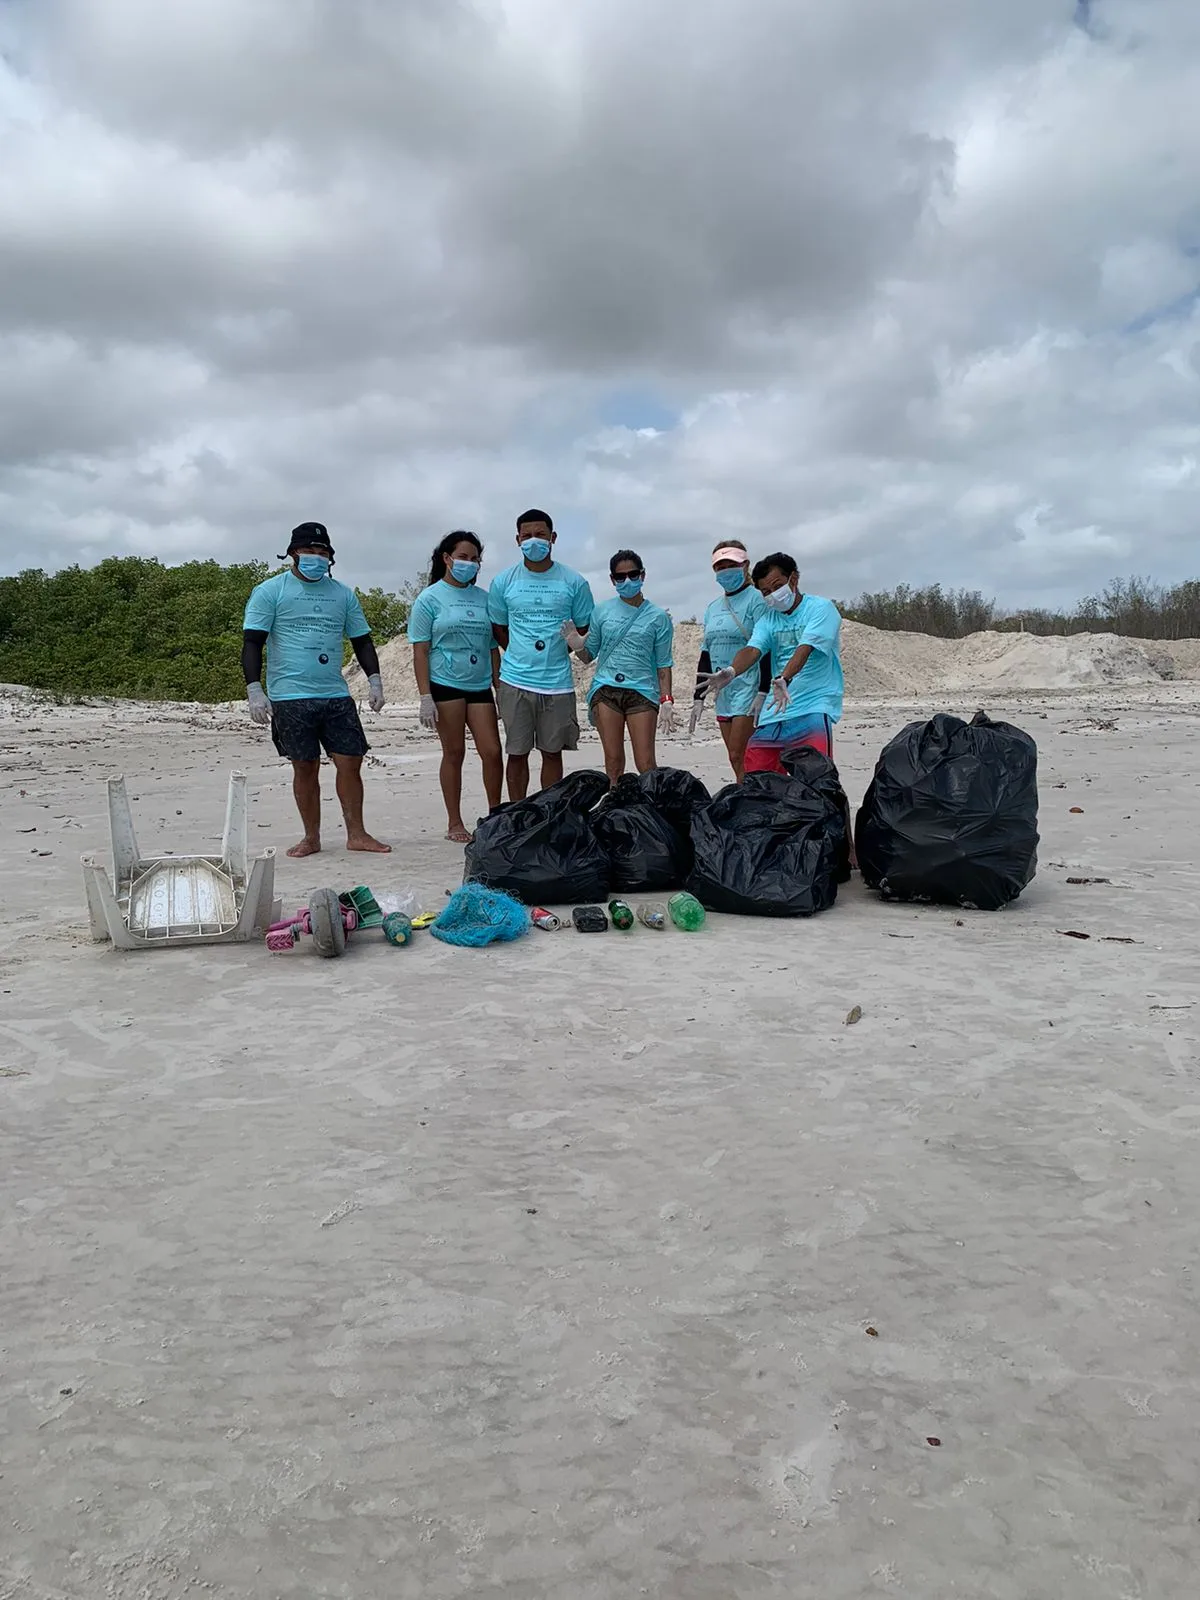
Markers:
point(774, 846)
point(950, 818)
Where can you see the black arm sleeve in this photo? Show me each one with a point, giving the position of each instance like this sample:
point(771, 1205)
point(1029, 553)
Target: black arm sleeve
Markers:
point(252, 654)
point(704, 665)
point(366, 653)
point(764, 673)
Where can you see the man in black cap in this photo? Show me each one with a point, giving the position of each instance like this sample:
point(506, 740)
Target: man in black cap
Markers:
point(302, 615)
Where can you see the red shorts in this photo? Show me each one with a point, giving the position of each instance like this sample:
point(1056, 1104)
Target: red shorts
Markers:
point(769, 745)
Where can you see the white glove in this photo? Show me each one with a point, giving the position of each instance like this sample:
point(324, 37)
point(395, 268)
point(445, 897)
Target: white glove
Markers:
point(260, 706)
point(780, 699)
point(375, 698)
point(697, 712)
point(714, 682)
point(666, 718)
point(757, 704)
point(428, 711)
point(575, 640)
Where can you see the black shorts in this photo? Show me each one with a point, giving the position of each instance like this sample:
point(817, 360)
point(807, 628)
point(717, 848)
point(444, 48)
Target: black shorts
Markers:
point(301, 729)
point(473, 697)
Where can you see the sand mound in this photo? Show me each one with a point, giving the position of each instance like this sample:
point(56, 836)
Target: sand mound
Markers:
point(1023, 661)
point(882, 663)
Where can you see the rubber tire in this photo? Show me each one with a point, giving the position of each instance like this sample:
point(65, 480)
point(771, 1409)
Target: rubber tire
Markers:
point(328, 929)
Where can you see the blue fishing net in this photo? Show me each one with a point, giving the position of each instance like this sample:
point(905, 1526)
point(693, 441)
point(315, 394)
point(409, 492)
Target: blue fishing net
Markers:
point(475, 916)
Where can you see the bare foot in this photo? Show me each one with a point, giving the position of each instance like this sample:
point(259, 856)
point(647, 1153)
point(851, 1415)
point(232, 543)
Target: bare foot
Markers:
point(306, 847)
point(364, 841)
point(457, 834)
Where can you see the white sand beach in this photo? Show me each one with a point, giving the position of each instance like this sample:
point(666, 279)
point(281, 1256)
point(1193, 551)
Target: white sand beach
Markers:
point(566, 1271)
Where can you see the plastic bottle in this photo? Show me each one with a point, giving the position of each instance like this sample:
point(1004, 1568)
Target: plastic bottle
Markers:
point(621, 914)
point(397, 928)
point(652, 916)
point(686, 912)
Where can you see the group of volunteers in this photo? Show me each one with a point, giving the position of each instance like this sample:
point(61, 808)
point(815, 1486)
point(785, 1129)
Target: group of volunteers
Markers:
point(770, 659)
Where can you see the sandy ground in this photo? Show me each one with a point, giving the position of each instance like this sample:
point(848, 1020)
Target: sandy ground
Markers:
point(562, 1272)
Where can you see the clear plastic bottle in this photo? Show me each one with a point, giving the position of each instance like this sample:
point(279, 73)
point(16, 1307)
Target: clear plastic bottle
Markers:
point(621, 914)
point(652, 916)
point(686, 912)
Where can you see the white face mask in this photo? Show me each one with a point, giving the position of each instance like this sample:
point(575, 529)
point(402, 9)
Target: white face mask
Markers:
point(781, 599)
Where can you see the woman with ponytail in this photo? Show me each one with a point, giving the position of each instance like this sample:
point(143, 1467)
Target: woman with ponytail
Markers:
point(457, 662)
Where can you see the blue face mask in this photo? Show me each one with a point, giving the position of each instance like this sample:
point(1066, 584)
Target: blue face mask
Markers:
point(313, 566)
point(464, 571)
point(732, 581)
point(535, 549)
point(629, 588)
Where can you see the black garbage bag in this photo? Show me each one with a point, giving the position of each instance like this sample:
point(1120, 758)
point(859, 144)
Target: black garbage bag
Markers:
point(951, 814)
point(811, 767)
point(676, 793)
point(773, 846)
point(544, 850)
point(645, 826)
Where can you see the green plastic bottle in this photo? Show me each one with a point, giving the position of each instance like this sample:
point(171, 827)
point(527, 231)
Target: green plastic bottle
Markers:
point(686, 912)
point(621, 914)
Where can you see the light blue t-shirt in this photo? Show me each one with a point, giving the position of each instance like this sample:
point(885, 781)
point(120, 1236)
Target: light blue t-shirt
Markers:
point(817, 688)
point(533, 607)
point(728, 625)
point(629, 644)
point(305, 624)
point(454, 623)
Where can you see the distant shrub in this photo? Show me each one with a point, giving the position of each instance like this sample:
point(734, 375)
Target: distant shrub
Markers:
point(1134, 606)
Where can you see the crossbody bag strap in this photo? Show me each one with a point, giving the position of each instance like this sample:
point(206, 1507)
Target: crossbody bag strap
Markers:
point(610, 645)
point(741, 626)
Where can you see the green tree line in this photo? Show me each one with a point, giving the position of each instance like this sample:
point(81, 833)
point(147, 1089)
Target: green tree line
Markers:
point(132, 627)
point(1134, 606)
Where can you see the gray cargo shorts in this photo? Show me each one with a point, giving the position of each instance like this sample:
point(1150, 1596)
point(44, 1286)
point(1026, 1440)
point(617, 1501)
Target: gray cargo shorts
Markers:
point(545, 722)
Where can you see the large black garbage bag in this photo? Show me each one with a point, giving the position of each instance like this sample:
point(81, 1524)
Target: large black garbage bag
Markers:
point(645, 826)
point(774, 846)
point(544, 850)
point(951, 814)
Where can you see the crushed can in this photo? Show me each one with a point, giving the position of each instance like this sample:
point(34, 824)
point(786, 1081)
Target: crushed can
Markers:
point(541, 918)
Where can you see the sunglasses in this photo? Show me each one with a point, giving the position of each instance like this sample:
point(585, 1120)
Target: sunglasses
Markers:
point(619, 577)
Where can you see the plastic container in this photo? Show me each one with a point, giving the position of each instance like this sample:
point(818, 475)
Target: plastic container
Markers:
point(686, 912)
point(405, 902)
point(621, 914)
point(590, 919)
point(653, 916)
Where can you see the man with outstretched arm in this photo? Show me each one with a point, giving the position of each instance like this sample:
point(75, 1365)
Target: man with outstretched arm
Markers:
point(801, 635)
point(528, 605)
point(302, 616)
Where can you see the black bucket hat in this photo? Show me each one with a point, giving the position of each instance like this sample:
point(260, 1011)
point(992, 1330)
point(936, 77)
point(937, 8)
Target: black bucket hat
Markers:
point(309, 536)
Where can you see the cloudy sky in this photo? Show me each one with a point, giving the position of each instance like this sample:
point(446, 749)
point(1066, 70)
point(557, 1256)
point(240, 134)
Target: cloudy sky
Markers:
point(907, 287)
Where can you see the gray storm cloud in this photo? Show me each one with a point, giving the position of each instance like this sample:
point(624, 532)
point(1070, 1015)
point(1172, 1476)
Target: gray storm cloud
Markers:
point(908, 288)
